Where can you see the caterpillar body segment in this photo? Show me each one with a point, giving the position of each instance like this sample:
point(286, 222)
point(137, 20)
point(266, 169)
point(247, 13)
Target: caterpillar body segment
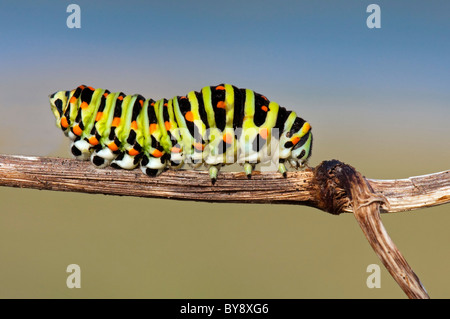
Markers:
point(216, 126)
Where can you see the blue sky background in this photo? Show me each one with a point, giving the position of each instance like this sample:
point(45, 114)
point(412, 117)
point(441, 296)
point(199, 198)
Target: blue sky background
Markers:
point(292, 43)
point(378, 99)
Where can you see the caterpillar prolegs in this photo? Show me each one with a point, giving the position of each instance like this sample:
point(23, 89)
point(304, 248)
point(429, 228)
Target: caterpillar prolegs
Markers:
point(216, 126)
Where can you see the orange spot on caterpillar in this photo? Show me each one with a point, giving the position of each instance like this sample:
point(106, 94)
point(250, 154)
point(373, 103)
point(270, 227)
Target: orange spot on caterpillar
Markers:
point(199, 146)
point(220, 87)
point(183, 97)
point(115, 122)
point(120, 97)
point(133, 152)
point(167, 125)
point(175, 149)
point(91, 88)
point(82, 87)
point(134, 125)
point(77, 130)
point(264, 132)
point(221, 105)
point(228, 138)
point(141, 102)
point(295, 140)
point(264, 97)
point(189, 116)
point(113, 147)
point(264, 108)
point(165, 104)
point(93, 140)
point(64, 122)
point(306, 127)
point(98, 116)
point(84, 105)
point(73, 100)
point(105, 94)
point(157, 153)
point(153, 127)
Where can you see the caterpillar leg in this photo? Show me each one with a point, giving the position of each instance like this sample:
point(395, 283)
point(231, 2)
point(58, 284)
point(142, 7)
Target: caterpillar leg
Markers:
point(176, 160)
point(282, 169)
point(152, 166)
point(294, 163)
point(81, 149)
point(213, 171)
point(103, 157)
point(248, 169)
point(297, 164)
point(195, 159)
point(301, 164)
point(195, 165)
point(126, 161)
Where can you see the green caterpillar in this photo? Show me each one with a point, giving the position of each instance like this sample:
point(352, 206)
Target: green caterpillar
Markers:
point(217, 126)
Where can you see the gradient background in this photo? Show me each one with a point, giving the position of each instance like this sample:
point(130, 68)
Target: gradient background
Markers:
point(377, 99)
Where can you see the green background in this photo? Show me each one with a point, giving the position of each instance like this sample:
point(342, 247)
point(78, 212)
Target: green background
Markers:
point(376, 99)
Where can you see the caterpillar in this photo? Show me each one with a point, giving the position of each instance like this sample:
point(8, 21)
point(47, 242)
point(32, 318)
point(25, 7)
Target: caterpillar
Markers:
point(216, 126)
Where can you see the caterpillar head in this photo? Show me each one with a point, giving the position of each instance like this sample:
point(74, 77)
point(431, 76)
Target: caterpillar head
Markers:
point(298, 143)
point(302, 150)
point(57, 102)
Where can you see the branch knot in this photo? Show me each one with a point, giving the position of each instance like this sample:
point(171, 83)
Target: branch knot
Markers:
point(332, 196)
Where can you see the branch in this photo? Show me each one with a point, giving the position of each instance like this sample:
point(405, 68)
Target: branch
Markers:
point(299, 188)
point(332, 186)
point(343, 181)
